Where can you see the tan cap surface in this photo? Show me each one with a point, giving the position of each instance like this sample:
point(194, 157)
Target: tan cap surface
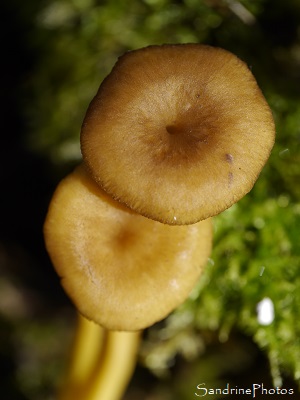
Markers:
point(122, 270)
point(178, 133)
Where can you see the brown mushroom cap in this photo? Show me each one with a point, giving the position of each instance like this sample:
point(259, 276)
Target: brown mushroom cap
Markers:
point(178, 133)
point(122, 270)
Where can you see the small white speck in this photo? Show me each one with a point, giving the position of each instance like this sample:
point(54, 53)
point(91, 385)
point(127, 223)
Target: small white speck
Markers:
point(175, 218)
point(174, 284)
point(183, 255)
point(284, 153)
point(262, 270)
point(265, 311)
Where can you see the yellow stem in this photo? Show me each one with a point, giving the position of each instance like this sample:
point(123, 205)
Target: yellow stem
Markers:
point(87, 347)
point(102, 363)
point(116, 367)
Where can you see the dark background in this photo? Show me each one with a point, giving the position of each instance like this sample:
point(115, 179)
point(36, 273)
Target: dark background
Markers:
point(54, 56)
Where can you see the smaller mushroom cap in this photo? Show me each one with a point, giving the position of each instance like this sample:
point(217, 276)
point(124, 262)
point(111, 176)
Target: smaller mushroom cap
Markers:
point(178, 131)
point(122, 270)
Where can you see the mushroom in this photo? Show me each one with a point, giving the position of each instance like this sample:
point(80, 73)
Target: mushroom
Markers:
point(121, 270)
point(175, 135)
point(178, 133)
